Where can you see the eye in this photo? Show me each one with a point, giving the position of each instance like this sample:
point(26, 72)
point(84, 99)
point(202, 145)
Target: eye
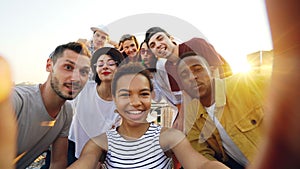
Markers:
point(68, 67)
point(99, 64)
point(111, 63)
point(145, 94)
point(152, 45)
point(198, 69)
point(84, 72)
point(184, 75)
point(103, 37)
point(160, 38)
point(124, 95)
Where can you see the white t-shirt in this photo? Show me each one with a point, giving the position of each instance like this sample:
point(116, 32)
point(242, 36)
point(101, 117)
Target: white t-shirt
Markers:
point(93, 116)
point(36, 129)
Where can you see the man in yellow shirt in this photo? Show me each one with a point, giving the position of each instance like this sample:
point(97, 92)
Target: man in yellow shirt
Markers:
point(223, 121)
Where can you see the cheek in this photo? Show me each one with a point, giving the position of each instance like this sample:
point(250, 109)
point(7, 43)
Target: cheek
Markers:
point(147, 103)
point(98, 70)
point(85, 78)
point(120, 104)
point(186, 83)
point(208, 80)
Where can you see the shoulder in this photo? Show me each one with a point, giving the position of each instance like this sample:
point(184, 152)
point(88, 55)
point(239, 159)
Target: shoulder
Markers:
point(194, 41)
point(101, 141)
point(26, 89)
point(23, 93)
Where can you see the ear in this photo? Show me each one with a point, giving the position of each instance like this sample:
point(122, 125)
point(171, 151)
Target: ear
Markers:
point(49, 65)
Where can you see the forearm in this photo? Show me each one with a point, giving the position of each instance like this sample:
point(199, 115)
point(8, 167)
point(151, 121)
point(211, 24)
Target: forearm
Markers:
point(213, 165)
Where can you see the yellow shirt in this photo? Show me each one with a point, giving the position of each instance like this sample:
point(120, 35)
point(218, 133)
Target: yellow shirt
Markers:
point(239, 108)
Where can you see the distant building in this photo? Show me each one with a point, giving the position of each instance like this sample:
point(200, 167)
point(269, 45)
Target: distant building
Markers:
point(261, 61)
point(25, 84)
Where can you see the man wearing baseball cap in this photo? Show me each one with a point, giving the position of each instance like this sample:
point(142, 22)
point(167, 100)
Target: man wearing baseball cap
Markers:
point(100, 37)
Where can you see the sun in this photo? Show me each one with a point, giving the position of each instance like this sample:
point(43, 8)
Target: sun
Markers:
point(240, 66)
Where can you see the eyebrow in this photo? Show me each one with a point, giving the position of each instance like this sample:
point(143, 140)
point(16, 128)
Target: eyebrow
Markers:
point(107, 60)
point(158, 36)
point(70, 62)
point(145, 90)
point(126, 90)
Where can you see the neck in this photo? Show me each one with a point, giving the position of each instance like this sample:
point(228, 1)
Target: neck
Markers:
point(209, 100)
point(104, 91)
point(51, 100)
point(175, 55)
point(133, 132)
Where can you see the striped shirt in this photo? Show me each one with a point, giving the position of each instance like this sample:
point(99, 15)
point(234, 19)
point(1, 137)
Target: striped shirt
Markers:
point(144, 152)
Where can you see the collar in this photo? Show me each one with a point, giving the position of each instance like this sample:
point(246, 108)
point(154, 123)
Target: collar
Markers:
point(220, 92)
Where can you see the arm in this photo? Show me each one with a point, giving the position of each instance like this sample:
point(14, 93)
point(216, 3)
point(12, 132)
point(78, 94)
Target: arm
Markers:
point(59, 153)
point(184, 152)
point(91, 153)
point(187, 156)
point(190, 158)
point(281, 148)
point(8, 126)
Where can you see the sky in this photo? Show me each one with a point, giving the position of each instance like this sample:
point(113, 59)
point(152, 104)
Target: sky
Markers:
point(30, 30)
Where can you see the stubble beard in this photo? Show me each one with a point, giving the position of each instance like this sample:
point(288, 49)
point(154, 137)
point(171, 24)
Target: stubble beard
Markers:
point(55, 86)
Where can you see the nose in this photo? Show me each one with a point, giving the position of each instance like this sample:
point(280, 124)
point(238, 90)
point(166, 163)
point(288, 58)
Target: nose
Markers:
point(135, 101)
point(158, 45)
point(105, 65)
point(193, 76)
point(75, 75)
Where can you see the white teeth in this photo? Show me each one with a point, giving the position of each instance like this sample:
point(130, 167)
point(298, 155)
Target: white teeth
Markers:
point(134, 112)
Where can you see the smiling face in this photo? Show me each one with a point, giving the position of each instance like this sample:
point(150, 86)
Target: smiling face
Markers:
point(69, 74)
point(105, 68)
point(130, 48)
point(161, 45)
point(196, 77)
point(133, 98)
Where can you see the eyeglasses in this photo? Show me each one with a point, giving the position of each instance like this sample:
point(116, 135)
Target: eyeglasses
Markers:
point(144, 52)
point(108, 63)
